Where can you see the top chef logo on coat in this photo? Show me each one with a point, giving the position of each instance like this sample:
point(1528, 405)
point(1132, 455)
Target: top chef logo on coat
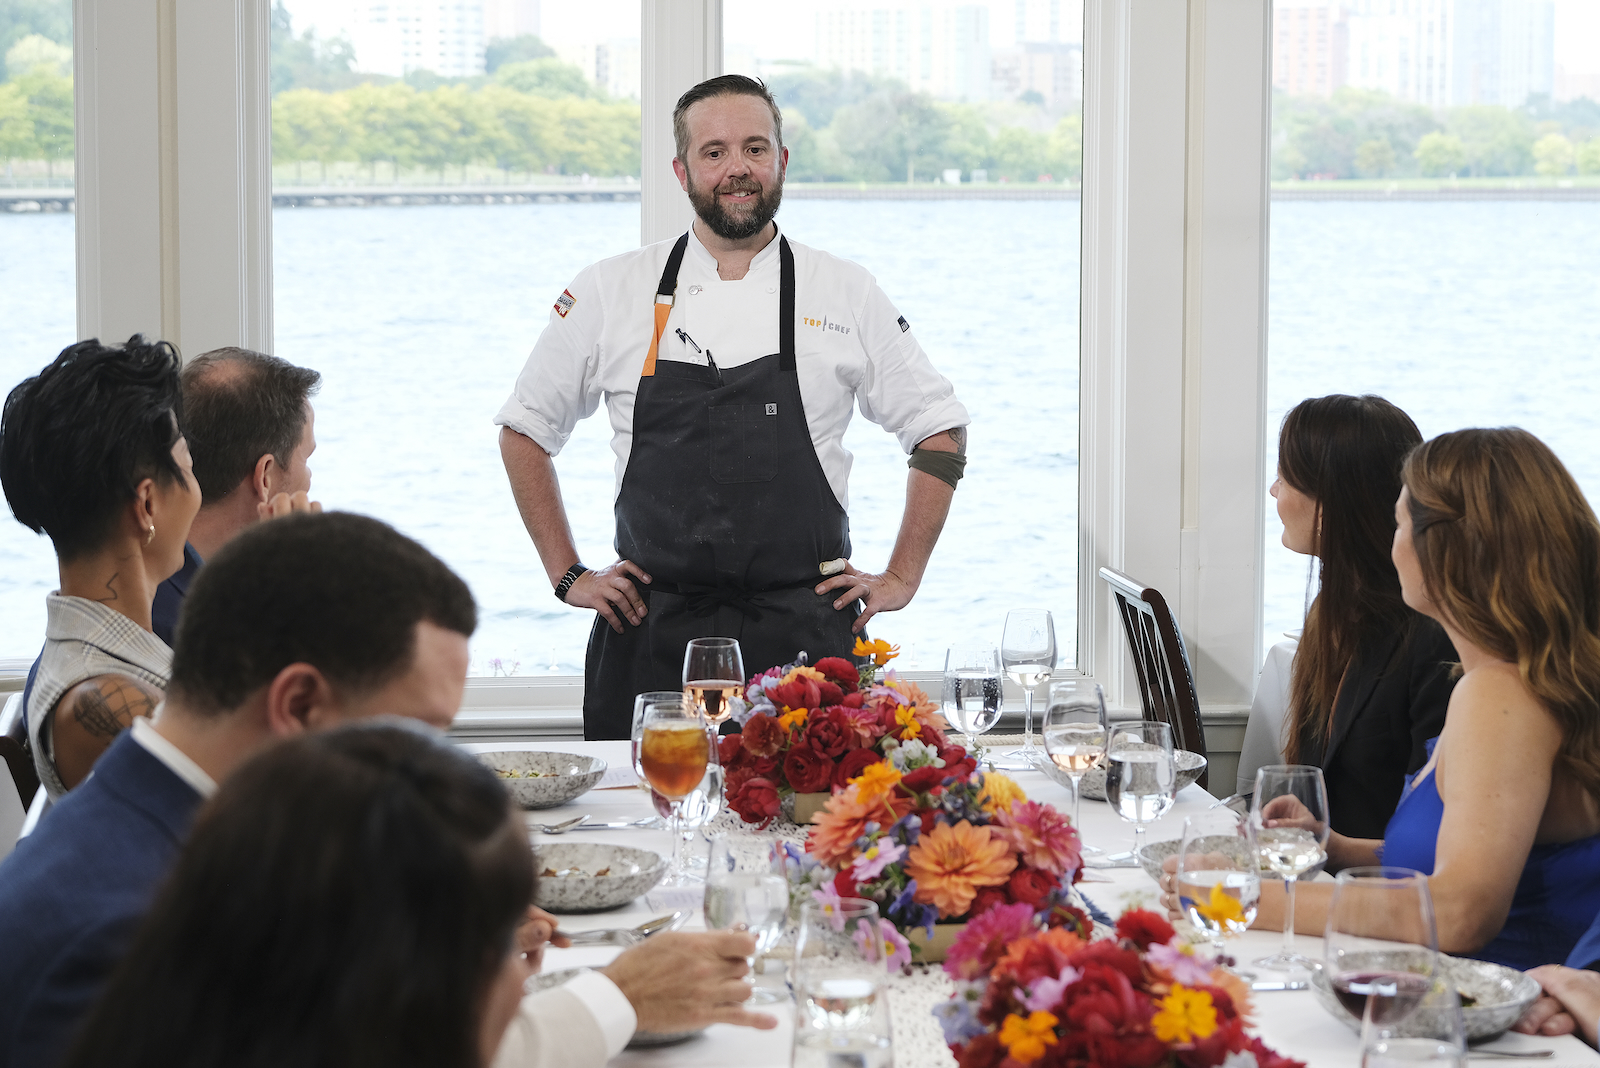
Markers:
point(825, 323)
point(565, 302)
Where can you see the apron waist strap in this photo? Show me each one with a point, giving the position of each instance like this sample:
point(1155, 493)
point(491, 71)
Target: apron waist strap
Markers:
point(705, 600)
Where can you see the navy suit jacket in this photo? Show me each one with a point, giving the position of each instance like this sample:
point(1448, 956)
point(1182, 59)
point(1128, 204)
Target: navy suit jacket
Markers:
point(1586, 954)
point(73, 892)
point(170, 595)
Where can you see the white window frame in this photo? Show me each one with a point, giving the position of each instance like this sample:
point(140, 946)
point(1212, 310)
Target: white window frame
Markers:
point(174, 238)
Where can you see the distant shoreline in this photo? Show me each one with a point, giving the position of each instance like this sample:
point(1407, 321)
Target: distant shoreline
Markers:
point(23, 201)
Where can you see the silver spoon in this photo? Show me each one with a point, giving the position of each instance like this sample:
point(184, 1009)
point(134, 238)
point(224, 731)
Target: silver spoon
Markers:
point(559, 828)
point(1511, 1054)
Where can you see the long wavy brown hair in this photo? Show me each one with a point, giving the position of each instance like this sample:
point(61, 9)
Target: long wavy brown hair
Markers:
point(1345, 454)
point(1510, 551)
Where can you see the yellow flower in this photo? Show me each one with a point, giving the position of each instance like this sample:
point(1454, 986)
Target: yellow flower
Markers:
point(793, 717)
point(880, 651)
point(1221, 909)
point(905, 717)
point(876, 781)
point(1185, 1015)
point(803, 672)
point(999, 792)
point(1026, 1039)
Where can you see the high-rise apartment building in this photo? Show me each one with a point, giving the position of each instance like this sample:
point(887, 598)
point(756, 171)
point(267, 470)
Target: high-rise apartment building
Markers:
point(942, 49)
point(1404, 47)
point(1050, 71)
point(397, 37)
point(510, 18)
point(1310, 46)
point(1504, 51)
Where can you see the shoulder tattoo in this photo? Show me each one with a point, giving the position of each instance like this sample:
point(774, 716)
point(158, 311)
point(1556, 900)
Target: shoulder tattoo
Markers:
point(104, 707)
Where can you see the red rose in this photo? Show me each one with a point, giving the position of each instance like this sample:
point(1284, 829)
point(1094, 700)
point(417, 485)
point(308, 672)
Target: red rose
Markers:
point(929, 818)
point(961, 769)
point(1143, 927)
point(1030, 885)
point(844, 884)
point(1106, 1022)
point(828, 693)
point(1074, 920)
point(923, 779)
point(840, 672)
point(952, 754)
point(799, 692)
point(1267, 1058)
point(807, 770)
point(729, 750)
point(756, 801)
point(988, 898)
point(829, 732)
point(762, 735)
point(854, 700)
point(984, 1051)
point(854, 763)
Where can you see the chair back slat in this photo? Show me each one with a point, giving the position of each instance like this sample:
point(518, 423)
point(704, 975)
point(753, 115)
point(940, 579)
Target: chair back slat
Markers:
point(1161, 661)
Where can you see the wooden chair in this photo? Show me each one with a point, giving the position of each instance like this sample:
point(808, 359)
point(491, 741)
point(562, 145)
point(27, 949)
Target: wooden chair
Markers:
point(14, 748)
point(1166, 680)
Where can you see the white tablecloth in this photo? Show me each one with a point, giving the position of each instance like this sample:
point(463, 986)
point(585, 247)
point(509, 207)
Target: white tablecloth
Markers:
point(1292, 1022)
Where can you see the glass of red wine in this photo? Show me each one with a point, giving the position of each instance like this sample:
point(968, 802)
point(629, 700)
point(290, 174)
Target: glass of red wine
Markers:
point(1380, 950)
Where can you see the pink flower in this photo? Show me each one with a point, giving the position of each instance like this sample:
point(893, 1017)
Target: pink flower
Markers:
point(828, 897)
point(985, 939)
point(1044, 837)
point(1186, 963)
point(893, 947)
point(871, 861)
point(1045, 995)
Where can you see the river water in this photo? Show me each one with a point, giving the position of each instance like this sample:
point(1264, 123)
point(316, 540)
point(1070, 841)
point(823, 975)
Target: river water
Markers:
point(1463, 313)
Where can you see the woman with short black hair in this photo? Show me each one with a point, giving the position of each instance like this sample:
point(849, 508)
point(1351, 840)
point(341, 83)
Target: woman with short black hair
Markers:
point(348, 898)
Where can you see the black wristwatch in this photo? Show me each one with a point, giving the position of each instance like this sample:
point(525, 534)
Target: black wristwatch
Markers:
point(564, 587)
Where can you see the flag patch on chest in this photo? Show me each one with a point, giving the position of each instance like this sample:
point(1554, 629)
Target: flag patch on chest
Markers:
point(565, 302)
point(904, 326)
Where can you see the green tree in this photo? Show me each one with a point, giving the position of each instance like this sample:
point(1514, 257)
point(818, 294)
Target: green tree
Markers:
point(1441, 154)
point(1066, 149)
point(306, 63)
point(502, 50)
point(966, 144)
point(1374, 158)
point(818, 94)
point(598, 137)
point(49, 97)
point(310, 126)
point(1588, 156)
point(1553, 156)
point(545, 77)
point(1020, 155)
point(384, 124)
point(22, 18)
point(16, 124)
point(1497, 141)
point(528, 137)
point(37, 50)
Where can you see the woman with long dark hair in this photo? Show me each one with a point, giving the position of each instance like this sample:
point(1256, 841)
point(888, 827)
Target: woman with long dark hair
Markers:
point(349, 898)
point(1371, 677)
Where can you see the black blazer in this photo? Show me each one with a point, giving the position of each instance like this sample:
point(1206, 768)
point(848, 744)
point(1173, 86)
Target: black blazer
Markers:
point(1392, 701)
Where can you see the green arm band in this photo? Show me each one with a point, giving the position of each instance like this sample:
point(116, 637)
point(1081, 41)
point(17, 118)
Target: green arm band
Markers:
point(947, 467)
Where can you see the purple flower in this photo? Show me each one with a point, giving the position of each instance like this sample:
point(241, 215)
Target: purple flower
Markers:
point(891, 947)
point(1045, 995)
point(878, 855)
point(908, 913)
point(832, 904)
point(958, 1017)
point(1187, 963)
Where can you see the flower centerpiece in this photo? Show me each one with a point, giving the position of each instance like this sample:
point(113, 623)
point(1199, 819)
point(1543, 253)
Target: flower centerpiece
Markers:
point(1031, 994)
point(809, 729)
point(940, 845)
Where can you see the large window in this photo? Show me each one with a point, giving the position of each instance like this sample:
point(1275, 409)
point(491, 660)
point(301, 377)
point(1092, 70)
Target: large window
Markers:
point(38, 285)
point(938, 144)
point(1435, 220)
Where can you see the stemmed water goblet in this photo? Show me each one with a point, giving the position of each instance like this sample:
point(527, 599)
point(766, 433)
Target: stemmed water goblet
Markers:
point(1218, 875)
point(1075, 734)
point(1289, 813)
point(1028, 651)
point(747, 890)
point(841, 984)
point(973, 697)
point(1141, 774)
point(713, 671)
point(675, 751)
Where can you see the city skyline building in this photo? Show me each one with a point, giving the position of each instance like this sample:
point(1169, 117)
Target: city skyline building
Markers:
point(510, 18)
point(939, 49)
point(1051, 71)
point(1310, 46)
point(396, 37)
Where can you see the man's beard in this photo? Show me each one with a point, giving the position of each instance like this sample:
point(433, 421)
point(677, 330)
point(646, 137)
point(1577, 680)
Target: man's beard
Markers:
point(731, 226)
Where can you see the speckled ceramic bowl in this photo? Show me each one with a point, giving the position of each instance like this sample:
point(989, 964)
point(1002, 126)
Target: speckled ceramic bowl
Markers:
point(1500, 995)
point(1151, 854)
point(1190, 765)
point(640, 1039)
point(561, 776)
point(591, 877)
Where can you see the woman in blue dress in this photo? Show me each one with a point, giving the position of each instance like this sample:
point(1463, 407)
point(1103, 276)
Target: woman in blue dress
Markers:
point(1497, 543)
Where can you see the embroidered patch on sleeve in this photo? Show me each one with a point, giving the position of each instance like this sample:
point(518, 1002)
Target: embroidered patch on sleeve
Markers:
point(566, 300)
point(904, 326)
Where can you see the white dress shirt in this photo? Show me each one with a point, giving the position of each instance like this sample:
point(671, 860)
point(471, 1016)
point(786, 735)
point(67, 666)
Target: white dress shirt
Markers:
point(580, 1024)
point(851, 346)
point(176, 760)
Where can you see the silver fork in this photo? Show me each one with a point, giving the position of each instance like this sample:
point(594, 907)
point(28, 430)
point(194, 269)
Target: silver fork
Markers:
point(559, 828)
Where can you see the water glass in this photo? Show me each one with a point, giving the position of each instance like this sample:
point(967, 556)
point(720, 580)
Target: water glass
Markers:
point(1219, 873)
point(676, 749)
point(841, 987)
point(973, 697)
point(1289, 812)
point(1435, 1035)
point(1141, 774)
point(1381, 949)
point(713, 671)
point(1075, 733)
point(746, 890)
point(1028, 651)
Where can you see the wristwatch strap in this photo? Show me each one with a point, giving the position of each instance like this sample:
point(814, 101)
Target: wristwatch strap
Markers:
point(564, 587)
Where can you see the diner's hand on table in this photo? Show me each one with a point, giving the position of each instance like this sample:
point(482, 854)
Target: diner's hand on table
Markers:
point(535, 933)
point(282, 504)
point(887, 592)
point(682, 981)
point(1169, 882)
point(1571, 1002)
point(608, 591)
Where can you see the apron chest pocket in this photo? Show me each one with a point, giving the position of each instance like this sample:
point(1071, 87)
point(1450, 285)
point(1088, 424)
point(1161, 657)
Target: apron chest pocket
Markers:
point(743, 440)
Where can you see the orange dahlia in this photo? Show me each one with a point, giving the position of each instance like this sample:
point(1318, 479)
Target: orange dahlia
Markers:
point(950, 863)
point(845, 819)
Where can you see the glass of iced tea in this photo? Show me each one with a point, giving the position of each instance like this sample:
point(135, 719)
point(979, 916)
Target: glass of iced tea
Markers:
point(675, 749)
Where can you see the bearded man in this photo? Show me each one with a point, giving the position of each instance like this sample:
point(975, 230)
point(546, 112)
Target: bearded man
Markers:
point(730, 360)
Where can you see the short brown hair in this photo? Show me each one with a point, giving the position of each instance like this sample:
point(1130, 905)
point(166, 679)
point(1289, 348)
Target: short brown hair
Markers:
point(726, 85)
point(240, 405)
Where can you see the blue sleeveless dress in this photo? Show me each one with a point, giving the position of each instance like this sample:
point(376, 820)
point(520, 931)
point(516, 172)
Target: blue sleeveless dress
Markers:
point(1556, 900)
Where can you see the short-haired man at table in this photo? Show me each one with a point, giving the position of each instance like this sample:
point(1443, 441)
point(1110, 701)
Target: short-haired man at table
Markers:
point(295, 625)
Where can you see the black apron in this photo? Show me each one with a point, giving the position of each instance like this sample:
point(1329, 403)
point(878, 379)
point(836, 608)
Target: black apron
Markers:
point(725, 506)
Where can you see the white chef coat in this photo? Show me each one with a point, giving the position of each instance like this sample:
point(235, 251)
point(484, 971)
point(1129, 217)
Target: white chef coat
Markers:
point(581, 1024)
point(851, 347)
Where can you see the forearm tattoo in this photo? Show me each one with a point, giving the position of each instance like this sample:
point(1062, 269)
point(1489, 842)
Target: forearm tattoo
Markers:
point(107, 709)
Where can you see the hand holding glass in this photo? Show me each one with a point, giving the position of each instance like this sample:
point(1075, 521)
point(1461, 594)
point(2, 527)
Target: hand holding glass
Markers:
point(1289, 813)
point(746, 891)
point(713, 671)
point(1075, 735)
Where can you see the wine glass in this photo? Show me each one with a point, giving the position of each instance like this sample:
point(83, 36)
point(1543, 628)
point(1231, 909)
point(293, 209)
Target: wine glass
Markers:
point(697, 810)
point(1028, 651)
point(640, 704)
point(713, 671)
point(1075, 733)
point(746, 891)
point(674, 752)
point(1290, 815)
point(1141, 774)
point(972, 694)
point(1380, 949)
point(841, 986)
point(1219, 873)
point(1435, 1034)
